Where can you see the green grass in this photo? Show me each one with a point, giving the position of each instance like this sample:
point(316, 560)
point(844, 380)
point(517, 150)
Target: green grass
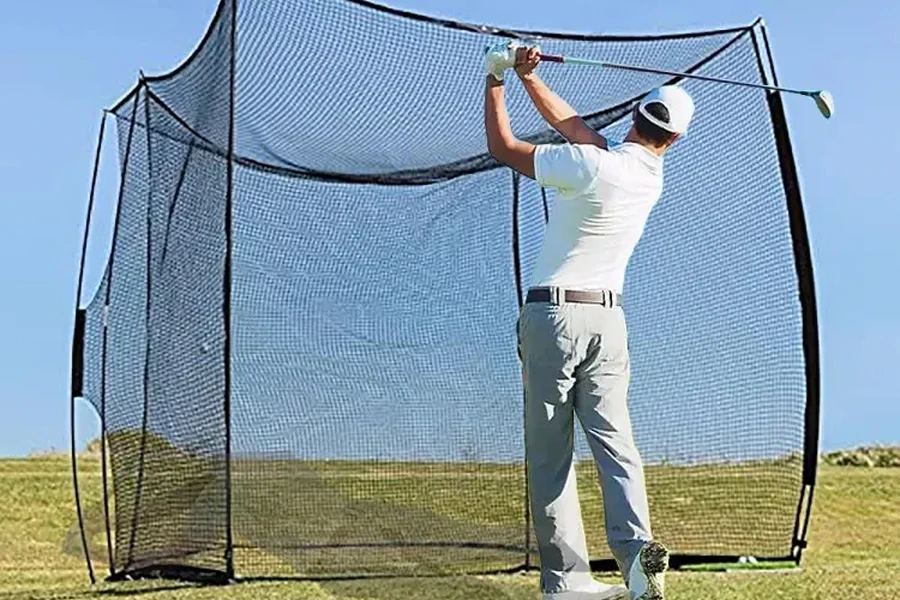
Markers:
point(854, 542)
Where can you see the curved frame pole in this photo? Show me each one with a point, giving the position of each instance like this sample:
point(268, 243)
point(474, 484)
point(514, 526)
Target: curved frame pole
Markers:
point(77, 365)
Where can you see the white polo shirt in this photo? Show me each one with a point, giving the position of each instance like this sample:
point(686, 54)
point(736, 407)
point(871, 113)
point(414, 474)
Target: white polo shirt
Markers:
point(603, 201)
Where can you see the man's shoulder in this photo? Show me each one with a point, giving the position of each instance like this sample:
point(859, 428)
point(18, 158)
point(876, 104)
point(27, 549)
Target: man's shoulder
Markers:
point(611, 146)
point(624, 165)
point(595, 155)
point(620, 149)
point(636, 159)
point(577, 167)
point(607, 160)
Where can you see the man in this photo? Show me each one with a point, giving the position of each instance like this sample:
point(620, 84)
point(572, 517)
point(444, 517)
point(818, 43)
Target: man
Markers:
point(572, 332)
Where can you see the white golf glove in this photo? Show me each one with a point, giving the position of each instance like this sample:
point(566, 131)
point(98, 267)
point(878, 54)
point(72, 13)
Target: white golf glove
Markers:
point(500, 57)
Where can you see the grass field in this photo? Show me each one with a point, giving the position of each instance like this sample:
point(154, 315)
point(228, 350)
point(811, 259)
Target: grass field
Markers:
point(854, 549)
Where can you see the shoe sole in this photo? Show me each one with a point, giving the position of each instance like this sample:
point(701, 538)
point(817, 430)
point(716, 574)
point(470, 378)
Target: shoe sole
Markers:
point(614, 594)
point(655, 561)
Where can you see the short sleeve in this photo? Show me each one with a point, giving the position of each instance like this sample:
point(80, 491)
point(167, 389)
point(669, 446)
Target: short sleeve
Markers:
point(570, 167)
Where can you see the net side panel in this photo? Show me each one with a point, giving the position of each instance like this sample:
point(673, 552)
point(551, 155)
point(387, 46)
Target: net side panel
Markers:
point(163, 376)
point(377, 397)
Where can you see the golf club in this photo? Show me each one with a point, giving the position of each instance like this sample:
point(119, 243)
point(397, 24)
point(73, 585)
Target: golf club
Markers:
point(823, 99)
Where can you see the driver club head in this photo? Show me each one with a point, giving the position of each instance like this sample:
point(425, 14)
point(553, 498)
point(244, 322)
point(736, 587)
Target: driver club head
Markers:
point(825, 103)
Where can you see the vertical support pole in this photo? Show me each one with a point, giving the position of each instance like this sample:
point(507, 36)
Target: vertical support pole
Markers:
point(517, 258)
point(771, 58)
point(544, 204)
point(226, 284)
point(105, 340)
point(517, 268)
point(148, 265)
point(764, 79)
point(77, 365)
point(175, 196)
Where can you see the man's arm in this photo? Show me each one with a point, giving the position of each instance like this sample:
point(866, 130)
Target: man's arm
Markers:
point(559, 115)
point(556, 111)
point(502, 144)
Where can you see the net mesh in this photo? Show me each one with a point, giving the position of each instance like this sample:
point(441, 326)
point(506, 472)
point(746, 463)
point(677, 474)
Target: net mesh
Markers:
point(376, 256)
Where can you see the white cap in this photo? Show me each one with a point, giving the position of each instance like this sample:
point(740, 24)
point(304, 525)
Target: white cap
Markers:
point(677, 102)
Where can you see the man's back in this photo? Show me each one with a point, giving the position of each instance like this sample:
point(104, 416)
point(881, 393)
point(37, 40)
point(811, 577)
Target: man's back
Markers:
point(604, 200)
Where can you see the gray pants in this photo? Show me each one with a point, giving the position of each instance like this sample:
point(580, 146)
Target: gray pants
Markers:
point(575, 362)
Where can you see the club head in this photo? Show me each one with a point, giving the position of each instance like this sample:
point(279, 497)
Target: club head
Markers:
point(825, 103)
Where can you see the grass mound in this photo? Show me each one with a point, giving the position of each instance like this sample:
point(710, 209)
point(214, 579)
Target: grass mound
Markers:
point(866, 456)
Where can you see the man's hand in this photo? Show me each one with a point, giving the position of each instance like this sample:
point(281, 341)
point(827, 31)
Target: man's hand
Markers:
point(500, 57)
point(527, 59)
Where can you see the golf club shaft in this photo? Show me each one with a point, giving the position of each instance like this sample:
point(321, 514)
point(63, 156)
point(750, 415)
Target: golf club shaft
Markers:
point(596, 63)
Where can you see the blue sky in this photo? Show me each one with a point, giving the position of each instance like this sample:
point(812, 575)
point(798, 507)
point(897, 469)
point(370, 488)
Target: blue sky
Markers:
point(61, 63)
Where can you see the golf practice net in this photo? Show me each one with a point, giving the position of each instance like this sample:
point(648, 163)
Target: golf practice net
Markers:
point(302, 348)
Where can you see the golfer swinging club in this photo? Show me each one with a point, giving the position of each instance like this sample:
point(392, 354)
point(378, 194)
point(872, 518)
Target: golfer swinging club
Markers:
point(572, 333)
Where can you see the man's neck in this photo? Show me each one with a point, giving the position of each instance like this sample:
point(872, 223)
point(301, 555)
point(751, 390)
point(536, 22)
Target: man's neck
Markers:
point(634, 138)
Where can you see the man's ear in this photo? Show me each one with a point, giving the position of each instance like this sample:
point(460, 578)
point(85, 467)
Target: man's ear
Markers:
point(674, 139)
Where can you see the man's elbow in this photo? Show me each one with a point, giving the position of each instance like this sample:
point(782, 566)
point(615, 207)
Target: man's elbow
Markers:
point(516, 155)
point(499, 149)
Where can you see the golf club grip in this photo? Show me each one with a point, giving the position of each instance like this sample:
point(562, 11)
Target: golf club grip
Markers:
point(552, 58)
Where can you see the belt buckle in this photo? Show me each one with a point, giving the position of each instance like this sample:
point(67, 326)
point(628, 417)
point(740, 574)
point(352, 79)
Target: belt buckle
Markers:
point(557, 295)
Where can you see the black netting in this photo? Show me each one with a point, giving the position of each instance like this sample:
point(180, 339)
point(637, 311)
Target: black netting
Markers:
point(376, 254)
point(162, 383)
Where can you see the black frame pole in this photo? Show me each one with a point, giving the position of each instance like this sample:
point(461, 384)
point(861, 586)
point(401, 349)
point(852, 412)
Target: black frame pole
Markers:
point(771, 59)
point(517, 268)
point(517, 258)
point(226, 300)
point(807, 295)
point(545, 206)
point(764, 77)
point(175, 196)
point(77, 378)
point(145, 416)
point(106, 309)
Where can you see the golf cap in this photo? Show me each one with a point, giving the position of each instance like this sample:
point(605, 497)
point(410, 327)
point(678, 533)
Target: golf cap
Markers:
point(677, 102)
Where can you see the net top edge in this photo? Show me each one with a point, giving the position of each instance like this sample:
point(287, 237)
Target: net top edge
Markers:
point(453, 24)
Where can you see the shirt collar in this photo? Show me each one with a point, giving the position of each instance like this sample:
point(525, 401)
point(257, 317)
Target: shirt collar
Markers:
point(648, 157)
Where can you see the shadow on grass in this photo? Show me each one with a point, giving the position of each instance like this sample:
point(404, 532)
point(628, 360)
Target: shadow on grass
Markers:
point(125, 592)
point(390, 530)
point(294, 517)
